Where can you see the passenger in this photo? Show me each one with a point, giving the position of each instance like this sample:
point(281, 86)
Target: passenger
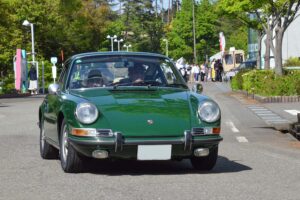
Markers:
point(136, 74)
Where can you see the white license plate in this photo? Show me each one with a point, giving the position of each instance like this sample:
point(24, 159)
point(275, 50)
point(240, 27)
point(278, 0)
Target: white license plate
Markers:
point(154, 152)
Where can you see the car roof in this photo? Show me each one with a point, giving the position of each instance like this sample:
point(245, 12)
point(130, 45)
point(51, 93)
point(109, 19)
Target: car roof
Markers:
point(117, 53)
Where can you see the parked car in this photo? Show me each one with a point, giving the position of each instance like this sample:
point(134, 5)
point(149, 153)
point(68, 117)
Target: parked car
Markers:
point(250, 64)
point(127, 105)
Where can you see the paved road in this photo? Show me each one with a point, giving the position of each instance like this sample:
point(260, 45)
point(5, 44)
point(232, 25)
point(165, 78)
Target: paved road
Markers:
point(255, 162)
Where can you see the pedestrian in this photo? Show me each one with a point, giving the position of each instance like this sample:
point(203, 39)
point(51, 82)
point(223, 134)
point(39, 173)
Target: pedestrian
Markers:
point(195, 72)
point(206, 70)
point(220, 72)
point(216, 67)
point(32, 80)
point(213, 72)
point(202, 72)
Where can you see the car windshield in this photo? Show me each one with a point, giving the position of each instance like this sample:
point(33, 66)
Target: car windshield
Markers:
point(115, 71)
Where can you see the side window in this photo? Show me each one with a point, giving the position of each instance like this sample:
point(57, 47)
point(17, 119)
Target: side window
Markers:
point(64, 74)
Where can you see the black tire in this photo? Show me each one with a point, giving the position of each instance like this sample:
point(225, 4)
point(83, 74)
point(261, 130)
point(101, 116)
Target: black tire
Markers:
point(46, 150)
point(206, 163)
point(70, 161)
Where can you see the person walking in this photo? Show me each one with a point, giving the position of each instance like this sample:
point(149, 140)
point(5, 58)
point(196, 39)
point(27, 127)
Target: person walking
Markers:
point(202, 72)
point(195, 72)
point(32, 80)
point(213, 72)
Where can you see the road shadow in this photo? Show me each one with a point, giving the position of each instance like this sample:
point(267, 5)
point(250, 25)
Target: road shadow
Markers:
point(4, 106)
point(139, 168)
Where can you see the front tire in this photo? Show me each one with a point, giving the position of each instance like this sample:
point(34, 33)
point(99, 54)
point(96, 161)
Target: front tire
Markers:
point(71, 162)
point(206, 163)
point(46, 150)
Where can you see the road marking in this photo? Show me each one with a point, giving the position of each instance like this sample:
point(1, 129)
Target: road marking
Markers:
point(259, 109)
point(241, 139)
point(292, 112)
point(232, 127)
point(266, 114)
point(263, 111)
point(270, 117)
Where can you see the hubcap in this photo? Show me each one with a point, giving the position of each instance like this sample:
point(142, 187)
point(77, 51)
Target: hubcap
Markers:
point(65, 143)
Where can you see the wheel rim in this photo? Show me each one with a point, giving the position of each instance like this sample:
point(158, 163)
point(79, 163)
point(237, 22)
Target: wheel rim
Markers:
point(65, 144)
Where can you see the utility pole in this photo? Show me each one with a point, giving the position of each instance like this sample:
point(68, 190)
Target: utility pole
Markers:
point(194, 33)
point(169, 12)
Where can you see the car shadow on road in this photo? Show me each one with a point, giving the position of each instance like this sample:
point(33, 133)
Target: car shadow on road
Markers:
point(138, 168)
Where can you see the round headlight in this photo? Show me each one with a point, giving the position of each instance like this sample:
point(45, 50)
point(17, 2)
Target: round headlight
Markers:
point(209, 111)
point(86, 113)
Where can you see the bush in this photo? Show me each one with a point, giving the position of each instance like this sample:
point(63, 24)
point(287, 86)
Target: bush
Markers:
point(292, 61)
point(267, 83)
point(8, 85)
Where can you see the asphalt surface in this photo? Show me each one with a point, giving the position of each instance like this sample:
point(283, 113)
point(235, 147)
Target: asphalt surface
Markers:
point(255, 161)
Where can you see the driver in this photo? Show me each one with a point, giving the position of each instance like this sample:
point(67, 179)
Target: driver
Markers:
point(136, 74)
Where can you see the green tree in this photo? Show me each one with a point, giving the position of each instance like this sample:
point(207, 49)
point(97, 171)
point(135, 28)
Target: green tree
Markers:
point(180, 36)
point(274, 16)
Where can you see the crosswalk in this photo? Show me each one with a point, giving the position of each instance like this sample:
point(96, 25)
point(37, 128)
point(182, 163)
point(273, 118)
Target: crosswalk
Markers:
point(268, 116)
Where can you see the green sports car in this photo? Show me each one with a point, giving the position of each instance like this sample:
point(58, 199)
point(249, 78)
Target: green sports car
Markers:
point(127, 105)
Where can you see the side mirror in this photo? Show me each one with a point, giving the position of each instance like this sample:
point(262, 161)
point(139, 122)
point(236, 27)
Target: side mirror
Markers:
point(198, 88)
point(53, 89)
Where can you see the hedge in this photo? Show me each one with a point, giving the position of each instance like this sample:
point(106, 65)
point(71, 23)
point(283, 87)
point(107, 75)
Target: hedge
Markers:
point(267, 83)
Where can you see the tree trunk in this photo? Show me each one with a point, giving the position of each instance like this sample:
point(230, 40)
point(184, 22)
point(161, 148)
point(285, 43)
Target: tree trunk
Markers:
point(258, 63)
point(278, 50)
point(268, 41)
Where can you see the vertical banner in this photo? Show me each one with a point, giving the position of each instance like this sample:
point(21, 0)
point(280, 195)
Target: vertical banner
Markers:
point(222, 43)
point(24, 72)
point(18, 72)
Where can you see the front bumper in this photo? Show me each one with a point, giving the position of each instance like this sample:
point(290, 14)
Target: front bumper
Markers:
point(119, 146)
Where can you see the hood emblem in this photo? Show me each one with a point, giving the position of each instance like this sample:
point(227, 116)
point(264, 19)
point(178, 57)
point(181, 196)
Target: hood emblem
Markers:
point(150, 121)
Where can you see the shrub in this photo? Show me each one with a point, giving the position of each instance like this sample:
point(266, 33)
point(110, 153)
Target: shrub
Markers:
point(292, 61)
point(267, 83)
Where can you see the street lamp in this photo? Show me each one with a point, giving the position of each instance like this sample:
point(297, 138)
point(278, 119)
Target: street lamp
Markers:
point(127, 46)
point(118, 41)
point(112, 41)
point(167, 44)
point(27, 23)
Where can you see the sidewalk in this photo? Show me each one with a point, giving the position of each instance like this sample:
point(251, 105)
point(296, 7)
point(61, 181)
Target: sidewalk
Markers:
point(281, 115)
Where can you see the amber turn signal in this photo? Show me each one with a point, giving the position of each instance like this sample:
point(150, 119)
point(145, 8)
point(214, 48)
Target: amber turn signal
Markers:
point(216, 130)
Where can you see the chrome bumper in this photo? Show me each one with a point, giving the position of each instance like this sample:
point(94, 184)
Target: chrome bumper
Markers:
point(118, 141)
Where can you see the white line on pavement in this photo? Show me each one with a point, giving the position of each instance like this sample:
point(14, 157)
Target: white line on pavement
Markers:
point(241, 139)
point(232, 126)
point(292, 112)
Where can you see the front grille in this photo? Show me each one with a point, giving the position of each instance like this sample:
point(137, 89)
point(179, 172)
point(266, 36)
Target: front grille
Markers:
point(105, 132)
point(197, 131)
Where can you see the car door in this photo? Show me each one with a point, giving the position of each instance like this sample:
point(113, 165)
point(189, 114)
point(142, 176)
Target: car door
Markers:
point(52, 105)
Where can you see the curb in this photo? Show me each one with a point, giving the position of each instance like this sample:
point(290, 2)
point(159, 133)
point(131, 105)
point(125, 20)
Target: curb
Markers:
point(272, 99)
point(7, 96)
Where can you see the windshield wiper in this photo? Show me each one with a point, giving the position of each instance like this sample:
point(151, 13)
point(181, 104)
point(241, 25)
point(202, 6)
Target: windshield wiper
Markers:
point(177, 85)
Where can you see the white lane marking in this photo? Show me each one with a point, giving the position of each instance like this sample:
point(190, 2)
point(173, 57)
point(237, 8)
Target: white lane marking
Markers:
point(276, 120)
point(241, 139)
point(263, 111)
point(255, 106)
point(259, 109)
point(270, 117)
point(292, 112)
point(232, 127)
point(266, 114)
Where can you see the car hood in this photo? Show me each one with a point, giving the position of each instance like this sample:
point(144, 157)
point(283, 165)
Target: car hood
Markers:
point(142, 112)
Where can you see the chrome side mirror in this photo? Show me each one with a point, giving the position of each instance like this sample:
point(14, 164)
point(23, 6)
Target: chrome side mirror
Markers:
point(53, 89)
point(198, 88)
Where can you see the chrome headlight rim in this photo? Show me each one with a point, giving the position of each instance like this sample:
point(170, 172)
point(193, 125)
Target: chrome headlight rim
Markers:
point(212, 106)
point(85, 105)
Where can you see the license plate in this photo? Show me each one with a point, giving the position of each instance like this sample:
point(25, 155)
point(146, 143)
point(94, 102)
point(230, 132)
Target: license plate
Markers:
point(154, 152)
